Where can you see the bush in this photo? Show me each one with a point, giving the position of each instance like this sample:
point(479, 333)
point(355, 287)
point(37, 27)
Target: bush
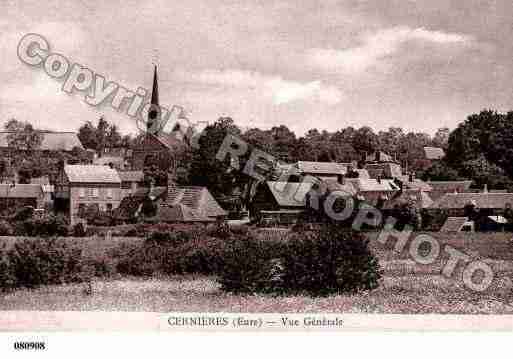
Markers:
point(250, 265)
point(47, 226)
point(6, 229)
point(199, 255)
point(35, 262)
point(7, 279)
point(138, 259)
point(326, 261)
point(331, 260)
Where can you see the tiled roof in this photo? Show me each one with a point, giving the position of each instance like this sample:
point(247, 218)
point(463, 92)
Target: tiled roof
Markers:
point(450, 186)
point(180, 213)
point(21, 191)
point(131, 176)
point(289, 194)
point(91, 174)
point(56, 141)
point(482, 200)
point(434, 153)
point(453, 224)
point(196, 198)
point(322, 167)
point(169, 140)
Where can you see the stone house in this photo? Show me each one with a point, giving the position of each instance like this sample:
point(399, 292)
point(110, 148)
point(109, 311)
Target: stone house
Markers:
point(86, 186)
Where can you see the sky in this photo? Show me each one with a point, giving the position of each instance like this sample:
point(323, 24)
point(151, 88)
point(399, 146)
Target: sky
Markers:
point(417, 64)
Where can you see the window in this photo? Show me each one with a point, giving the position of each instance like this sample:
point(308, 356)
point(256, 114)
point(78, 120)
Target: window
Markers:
point(81, 192)
point(109, 192)
point(96, 192)
point(109, 207)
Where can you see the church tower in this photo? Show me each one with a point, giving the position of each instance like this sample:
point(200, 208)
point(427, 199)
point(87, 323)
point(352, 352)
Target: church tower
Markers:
point(154, 146)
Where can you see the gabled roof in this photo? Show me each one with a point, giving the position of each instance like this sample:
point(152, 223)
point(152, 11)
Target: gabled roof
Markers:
point(131, 176)
point(195, 197)
point(51, 141)
point(322, 168)
point(91, 174)
point(180, 213)
point(21, 190)
point(289, 194)
point(482, 200)
point(434, 153)
point(453, 224)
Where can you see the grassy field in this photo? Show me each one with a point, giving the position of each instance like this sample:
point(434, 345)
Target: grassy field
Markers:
point(406, 287)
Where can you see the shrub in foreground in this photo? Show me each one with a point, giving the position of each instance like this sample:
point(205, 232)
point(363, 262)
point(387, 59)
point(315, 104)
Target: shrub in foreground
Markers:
point(34, 262)
point(331, 260)
point(250, 265)
point(327, 261)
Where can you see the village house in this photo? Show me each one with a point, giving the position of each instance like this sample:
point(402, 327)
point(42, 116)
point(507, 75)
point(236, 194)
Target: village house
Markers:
point(322, 170)
point(85, 186)
point(382, 165)
point(172, 204)
point(279, 201)
point(14, 196)
point(441, 188)
point(492, 204)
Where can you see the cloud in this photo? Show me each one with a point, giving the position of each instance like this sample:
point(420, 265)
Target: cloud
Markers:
point(279, 90)
point(377, 46)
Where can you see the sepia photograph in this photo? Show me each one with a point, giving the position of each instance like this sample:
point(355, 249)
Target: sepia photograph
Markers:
point(255, 165)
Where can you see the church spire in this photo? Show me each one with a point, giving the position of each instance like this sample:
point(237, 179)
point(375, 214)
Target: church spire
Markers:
point(155, 90)
point(154, 113)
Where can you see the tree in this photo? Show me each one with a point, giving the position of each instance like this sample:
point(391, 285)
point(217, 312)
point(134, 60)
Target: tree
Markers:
point(441, 138)
point(441, 171)
point(23, 136)
point(103, 135)
point(365, 140)
point(206, 170)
